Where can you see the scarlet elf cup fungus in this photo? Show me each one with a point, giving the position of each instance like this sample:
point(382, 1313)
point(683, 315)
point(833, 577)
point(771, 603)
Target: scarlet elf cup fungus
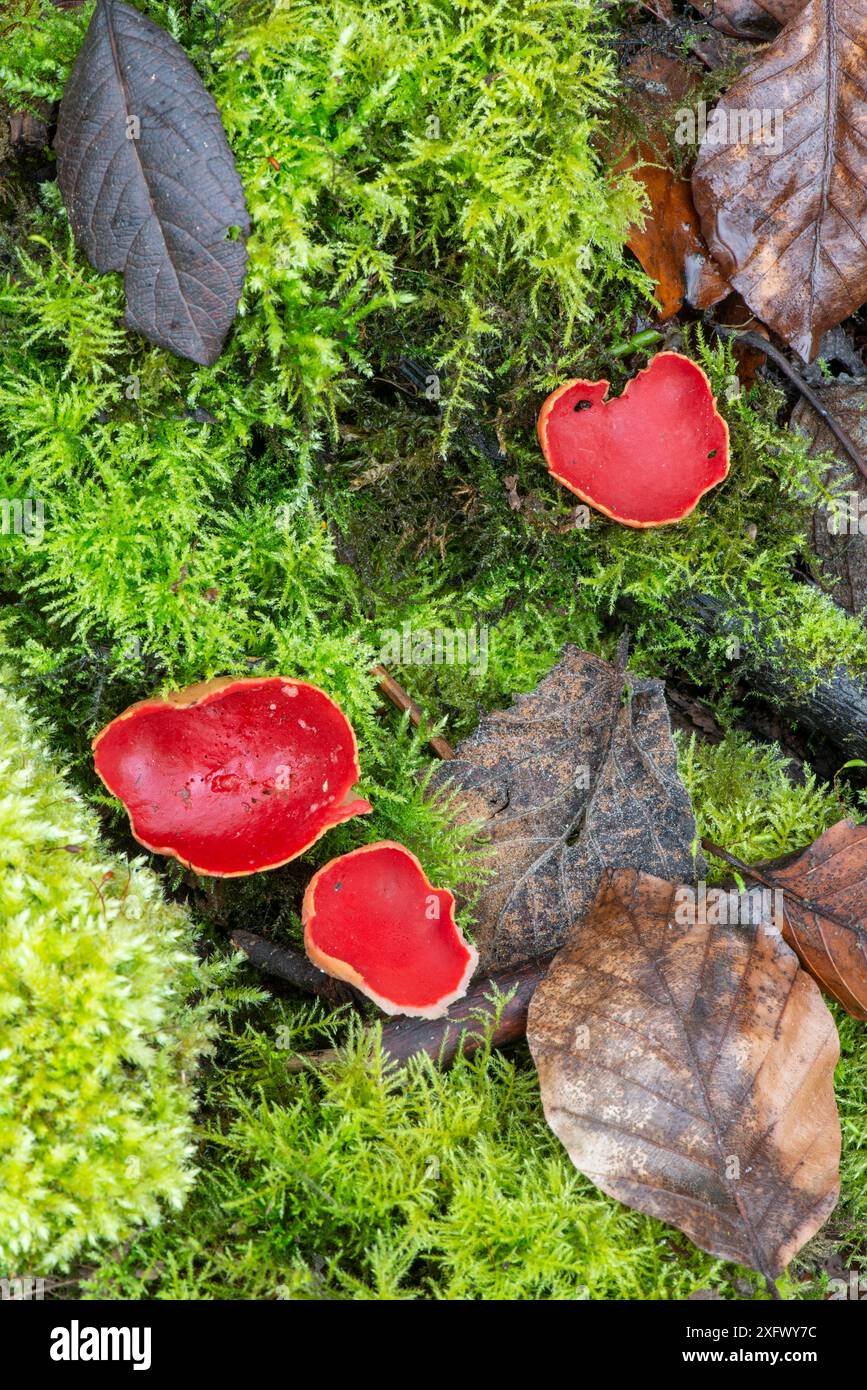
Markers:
point(373, 918)
point(232, 776)
point(643, 458)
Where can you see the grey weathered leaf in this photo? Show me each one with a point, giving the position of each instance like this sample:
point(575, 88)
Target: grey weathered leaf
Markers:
point(688, 1069)
point(150, 183)
point(569, 780)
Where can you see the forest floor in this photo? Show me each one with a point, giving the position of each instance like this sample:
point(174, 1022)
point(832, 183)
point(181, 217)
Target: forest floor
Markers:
point(439, 237)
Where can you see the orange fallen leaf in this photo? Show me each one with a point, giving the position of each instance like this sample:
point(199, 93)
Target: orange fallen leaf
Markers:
point(670, 246)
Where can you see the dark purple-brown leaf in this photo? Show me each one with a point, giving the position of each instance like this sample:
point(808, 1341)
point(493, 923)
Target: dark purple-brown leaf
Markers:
point(150, 183)
point(755, 19)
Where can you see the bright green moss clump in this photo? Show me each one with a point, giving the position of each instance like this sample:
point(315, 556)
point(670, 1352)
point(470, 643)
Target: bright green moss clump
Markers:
point(97, 1046)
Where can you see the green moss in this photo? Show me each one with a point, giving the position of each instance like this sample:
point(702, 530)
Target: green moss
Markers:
point(366, 1184)
point(99, 1044)
point(747, 801)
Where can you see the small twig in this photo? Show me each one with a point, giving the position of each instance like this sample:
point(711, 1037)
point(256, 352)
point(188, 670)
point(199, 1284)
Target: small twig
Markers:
point(463, 1029)
point(719, 853)
point(398, 696)
point(754, 872)
point(292, 966)
point(755, 340)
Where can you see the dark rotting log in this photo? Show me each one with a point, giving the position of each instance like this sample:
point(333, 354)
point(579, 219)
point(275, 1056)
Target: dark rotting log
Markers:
point(292, 966)
point(464, 1028)
point(832, 705)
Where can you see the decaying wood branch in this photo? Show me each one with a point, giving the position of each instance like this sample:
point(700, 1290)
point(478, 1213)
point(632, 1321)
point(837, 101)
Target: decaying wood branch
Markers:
point(293, 967)
point(813, 399)
point(832, 705)
point(465, 1025)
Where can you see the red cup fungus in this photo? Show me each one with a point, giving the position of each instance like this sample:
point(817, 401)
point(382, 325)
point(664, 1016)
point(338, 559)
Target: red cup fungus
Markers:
point(232, 776)
point(372, 918)
point(643, 458)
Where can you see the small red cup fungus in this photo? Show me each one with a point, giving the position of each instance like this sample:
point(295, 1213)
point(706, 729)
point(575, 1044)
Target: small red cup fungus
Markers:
point(643, 458)
point(232, 776)
point(373, 918)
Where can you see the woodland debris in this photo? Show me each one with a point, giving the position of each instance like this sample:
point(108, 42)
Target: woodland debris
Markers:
point(669, 245)
point(735, 314)
point(815, 399)
point(824, 906)
point(395, 692)
point(839, 534)
point(480, 1019)
point(831, 704)
point(546, 779)
point(750, 19)
point(784, 213)
point(28, 132)
point(540, 516)
point(292, 966)
point(688, 1069)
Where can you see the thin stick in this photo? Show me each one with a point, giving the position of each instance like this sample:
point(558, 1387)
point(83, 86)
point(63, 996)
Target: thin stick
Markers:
point(819, 909)
point(398, 696)
point(462, 1029)
point(755, 340)
point(290, 965)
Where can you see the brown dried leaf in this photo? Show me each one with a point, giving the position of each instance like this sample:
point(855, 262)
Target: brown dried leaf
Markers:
point(736, 314)
point(838, 541)
point(673, 1058)
point(789, 228)
point(670, 246)
point(825, 911)
point(756, 19)
point(567, 781)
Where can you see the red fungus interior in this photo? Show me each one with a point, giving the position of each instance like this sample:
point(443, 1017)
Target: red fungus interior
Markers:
point(245, 778)
point(376, 911)
point(646, 457)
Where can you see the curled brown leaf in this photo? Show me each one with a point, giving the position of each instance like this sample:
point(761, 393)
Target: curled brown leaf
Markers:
point(688, 1070)
point(780, 179)
point(825, 911)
